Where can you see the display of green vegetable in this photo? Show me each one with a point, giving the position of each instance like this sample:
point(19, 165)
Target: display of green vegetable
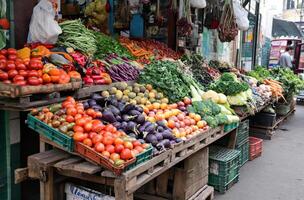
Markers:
point(166, 77)
point(229, 85)
point(107, 45)
point(260, 73)
point(77, 36)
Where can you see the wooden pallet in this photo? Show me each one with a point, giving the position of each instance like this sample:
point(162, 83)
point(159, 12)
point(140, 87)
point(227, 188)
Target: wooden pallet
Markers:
point(264, 132)
point(205, 193)
point(29, 102)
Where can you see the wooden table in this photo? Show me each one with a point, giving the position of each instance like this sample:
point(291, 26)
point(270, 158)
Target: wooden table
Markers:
point(46, 165)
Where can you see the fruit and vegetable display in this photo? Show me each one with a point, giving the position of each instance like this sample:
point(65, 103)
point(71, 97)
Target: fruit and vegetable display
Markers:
point(95, 74)
point(84, 125)
point(34, 67)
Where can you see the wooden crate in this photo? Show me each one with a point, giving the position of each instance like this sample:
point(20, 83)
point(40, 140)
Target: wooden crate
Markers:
point(181, 181)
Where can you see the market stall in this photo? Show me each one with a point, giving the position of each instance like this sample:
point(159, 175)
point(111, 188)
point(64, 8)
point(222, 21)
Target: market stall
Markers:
point(132, 115)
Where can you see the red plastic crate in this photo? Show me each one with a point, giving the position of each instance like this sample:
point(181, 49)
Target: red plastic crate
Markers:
point(255, 147)
point(99, 159)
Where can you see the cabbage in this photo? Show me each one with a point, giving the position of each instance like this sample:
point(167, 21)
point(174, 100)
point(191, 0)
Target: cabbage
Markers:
point(238, 100)
point(224, 110)
point(210, 94)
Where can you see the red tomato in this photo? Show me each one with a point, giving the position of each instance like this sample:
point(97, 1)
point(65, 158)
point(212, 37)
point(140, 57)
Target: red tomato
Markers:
point(77, 128)
point(97, 138)
point(99, 147)
point(98, 114)
point(77, 116)
point(110, 148)
point(11, 51)
point(10, 66)
point(126, 154)
point(92, 135)
point(12, 73)
point(119, 148)
point(3, 76)
point(128, 145)
point(78, 136)
point(71, 99)
point(33, 73)
point(88, 142)
point(110, 128)
point(88, 127)
point(22, 73)
point(33, 81)
point(97, 127)
point(134, 152)
point(21, 66)
point(71, 111)
point(107, 140)
point(136, 143)
point(2, 65)
point(114, 156)
point(118, 141)
point(91, 112)
point(81, 121)
point(3, 52)
point(12, 57)
point(108, 134)
point(145, 146)
point(106, 154)
point(139, 149)
point(18, 78)
point(2, 57)
point(69, 118)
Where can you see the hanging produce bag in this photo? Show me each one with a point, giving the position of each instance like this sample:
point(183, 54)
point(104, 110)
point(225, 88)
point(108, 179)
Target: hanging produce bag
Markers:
point(241, 16)
point(43, 27)
point(198, 3)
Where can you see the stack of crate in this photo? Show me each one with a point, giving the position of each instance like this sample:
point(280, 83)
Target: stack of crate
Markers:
point(242, 141)
point(224, 165)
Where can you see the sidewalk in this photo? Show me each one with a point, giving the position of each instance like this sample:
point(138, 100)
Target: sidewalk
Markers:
point(279, 173)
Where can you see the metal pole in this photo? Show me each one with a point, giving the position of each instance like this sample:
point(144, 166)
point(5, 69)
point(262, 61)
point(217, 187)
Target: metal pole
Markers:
point(256, 32)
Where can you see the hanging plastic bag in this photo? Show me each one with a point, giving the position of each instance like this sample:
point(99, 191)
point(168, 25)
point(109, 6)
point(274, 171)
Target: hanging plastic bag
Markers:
point(2, 8)
point(241, 16)
point(43, 27)
point(198, 3)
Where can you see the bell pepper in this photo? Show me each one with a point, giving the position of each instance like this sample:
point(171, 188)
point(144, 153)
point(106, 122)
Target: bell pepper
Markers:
point(40, 51)
point(24, 53)
point(47, 67)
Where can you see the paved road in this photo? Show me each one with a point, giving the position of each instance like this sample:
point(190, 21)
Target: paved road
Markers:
point(279, 173)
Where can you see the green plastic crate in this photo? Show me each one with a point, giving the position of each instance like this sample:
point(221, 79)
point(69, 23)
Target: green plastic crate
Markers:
point(65, 141)
point(230, 127)
point(141, 158)
point(242, 132)
point(224, 165)
point(223, 188)
point(244, 149)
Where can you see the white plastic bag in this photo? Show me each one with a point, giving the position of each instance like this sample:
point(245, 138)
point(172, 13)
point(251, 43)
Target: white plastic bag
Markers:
point(198, 3)
point(241, 16)
point(43, 27)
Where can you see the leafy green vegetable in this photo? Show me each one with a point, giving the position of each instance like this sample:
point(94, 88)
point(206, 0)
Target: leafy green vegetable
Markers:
point(260, 73)
point(211, 121)
point(107, 45)
point(166, 77)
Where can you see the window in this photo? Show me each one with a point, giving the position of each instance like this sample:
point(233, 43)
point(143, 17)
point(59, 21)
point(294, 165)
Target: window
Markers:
point(290, 4)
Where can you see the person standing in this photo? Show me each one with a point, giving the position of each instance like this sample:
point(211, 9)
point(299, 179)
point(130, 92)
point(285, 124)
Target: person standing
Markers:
point(285, 59)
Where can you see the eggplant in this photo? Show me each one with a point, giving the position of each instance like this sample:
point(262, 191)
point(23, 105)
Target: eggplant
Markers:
point(92, 102)
point(96, 97)
point(124, 125)
point(161, 123)
point(139, 109)
point(97, 107)
point(121, 106)
point(150, 128)
point(86, 105)
point(134, 113)
point(108, 116)
point(167, 134)
point(118, 118)
point(160, 129)
point(117, 125)
point(128, 107)
point(172, 142)
point(150, 138)
point(178, 140)
point(126, 118)
point(131, 126)
point(159, 136)
point(166, 143)
point(140, 119)
point(160, 146)
point(114, 110)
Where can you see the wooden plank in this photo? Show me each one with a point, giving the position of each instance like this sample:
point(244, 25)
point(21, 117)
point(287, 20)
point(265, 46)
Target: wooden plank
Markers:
point(120, 190)
point(206, 193)
point(48, 186)
point(21, 174)
point(232, 139)
point(162, 184)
